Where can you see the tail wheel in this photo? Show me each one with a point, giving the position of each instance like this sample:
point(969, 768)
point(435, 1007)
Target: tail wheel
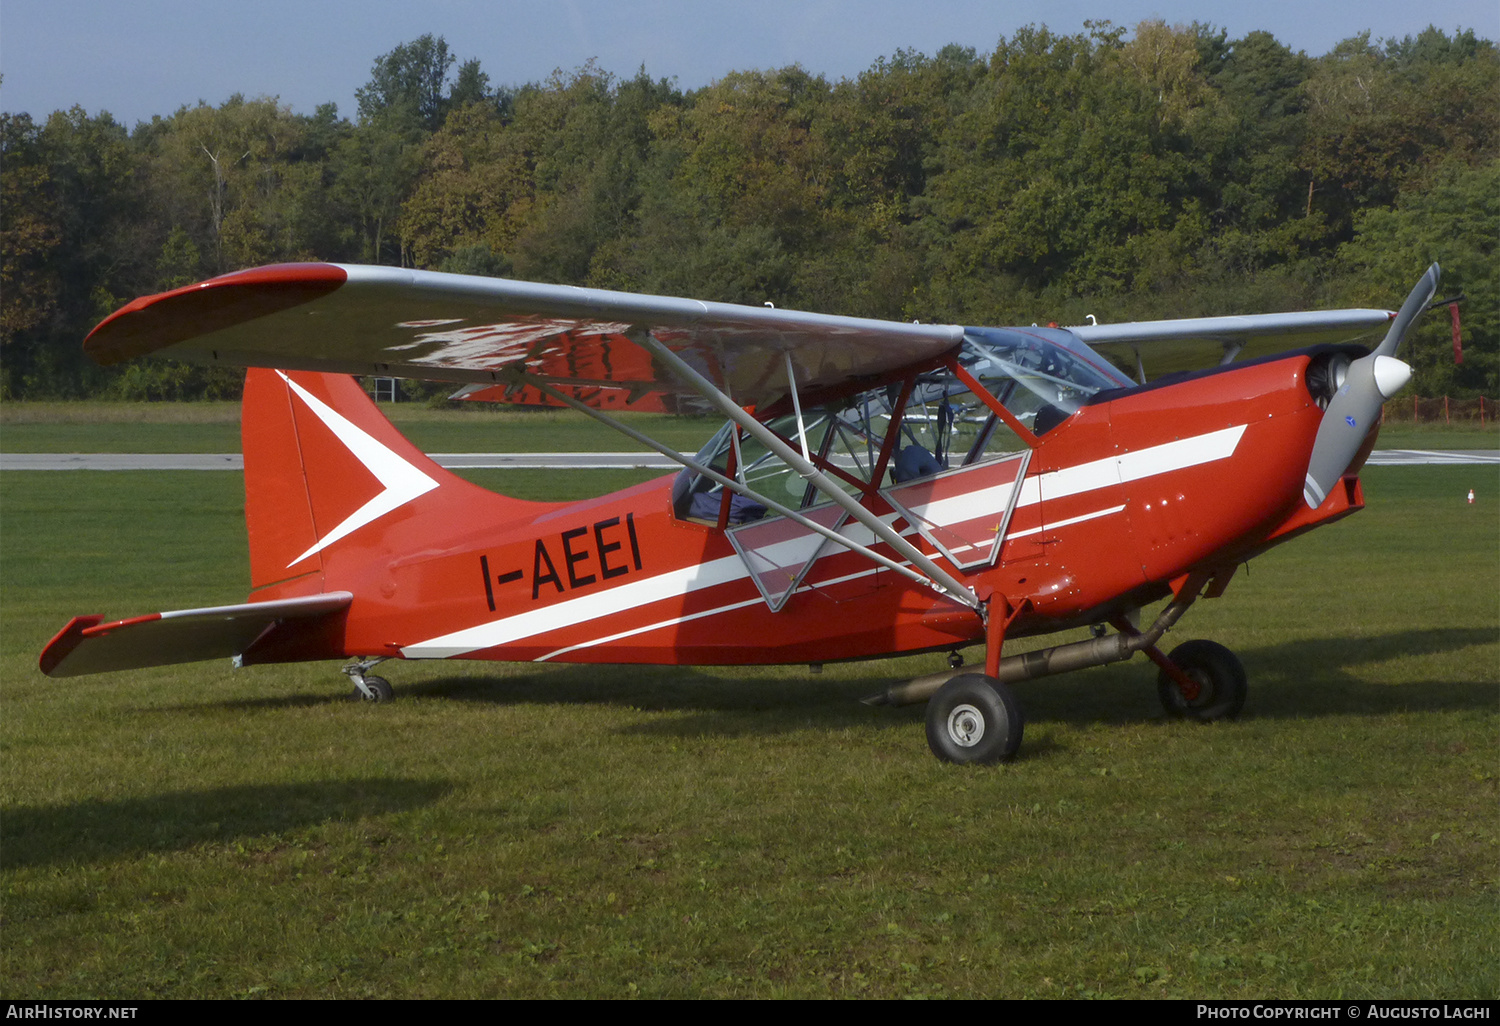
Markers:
point(974, 718)
point(380, 690)
point(1220, 677)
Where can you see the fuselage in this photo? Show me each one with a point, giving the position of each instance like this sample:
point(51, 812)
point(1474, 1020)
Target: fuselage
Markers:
point(1125, 496)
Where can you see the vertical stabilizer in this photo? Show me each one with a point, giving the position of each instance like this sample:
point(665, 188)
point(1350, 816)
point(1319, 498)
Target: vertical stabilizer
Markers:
point(278, 509)
point(331, 486)
point(321, 465)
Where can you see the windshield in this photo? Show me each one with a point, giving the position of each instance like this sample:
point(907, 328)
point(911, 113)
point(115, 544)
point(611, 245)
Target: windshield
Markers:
point(1043, 367)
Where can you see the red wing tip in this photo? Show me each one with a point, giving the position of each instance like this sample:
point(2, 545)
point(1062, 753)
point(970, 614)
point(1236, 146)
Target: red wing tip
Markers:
point(65, 640)
point(271, 274)
point(279, 274)
point(104, 628)
point(135, 330)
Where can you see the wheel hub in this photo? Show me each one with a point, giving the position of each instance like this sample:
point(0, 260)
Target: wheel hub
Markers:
point(965, 726)
point(1197, 690)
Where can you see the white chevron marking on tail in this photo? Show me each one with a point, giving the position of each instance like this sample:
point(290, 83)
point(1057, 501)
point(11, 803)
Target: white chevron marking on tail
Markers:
point(401, 482)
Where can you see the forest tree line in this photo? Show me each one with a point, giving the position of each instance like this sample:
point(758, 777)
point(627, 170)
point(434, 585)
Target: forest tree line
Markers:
point(1161, 172)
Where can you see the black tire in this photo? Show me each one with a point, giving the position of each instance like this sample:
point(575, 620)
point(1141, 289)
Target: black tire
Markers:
point(381, 688)
point(1221, 683)
point(974, 719)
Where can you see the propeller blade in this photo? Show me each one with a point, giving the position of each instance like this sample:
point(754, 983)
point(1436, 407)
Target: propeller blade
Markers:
point(1414, 307)
point(1355, 408)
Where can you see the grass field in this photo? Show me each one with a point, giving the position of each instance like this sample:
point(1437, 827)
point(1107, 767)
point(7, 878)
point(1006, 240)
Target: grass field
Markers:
point(560, 831)
point(215, 427)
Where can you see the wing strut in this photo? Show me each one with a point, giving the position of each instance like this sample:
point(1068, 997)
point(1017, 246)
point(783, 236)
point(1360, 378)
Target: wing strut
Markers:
point(937, 577)
point(963, 596)
point(791, 383)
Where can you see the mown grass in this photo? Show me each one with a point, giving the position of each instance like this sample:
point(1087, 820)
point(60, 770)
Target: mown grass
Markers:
point(215, 427)
point(1458, 435)
point(600, 831)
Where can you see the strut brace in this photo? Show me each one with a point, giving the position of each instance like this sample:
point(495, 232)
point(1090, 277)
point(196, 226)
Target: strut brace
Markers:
point(885, 533)
point(937, 577)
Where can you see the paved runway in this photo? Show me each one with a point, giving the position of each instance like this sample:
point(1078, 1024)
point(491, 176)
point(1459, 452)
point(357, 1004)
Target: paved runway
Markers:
point(545, 460)
point(234, 461)
point(1406, 457)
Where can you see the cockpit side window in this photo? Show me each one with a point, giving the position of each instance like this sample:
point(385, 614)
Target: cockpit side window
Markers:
point(1039, 380)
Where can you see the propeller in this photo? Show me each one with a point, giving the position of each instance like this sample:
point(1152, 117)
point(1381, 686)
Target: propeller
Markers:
point(1355, 407)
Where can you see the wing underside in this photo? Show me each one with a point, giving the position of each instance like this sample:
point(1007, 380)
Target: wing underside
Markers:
point(447, 327)
point(485, 333)
point(1156, 348)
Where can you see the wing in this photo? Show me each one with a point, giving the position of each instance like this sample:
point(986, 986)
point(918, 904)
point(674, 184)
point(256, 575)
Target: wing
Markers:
point(86, 645)
point(448, 327)
point(1193, 343)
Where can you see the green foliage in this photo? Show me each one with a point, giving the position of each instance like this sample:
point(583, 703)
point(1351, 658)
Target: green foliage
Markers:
point(179, 263)
point(76, 206)
point(1163, 171)
point(171, 381)
point(471, 85)
point(468, 182)
point(30, 233)
point(1378, 122)
point(1452, 217)
point(372, 170)
point(477, 260)
point(408, 82)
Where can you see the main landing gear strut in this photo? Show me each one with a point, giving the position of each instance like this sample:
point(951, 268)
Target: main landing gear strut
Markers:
point(973, 717)
point(367, 686)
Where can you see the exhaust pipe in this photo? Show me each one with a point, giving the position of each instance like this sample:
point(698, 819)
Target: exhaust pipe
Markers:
point(1077, 655)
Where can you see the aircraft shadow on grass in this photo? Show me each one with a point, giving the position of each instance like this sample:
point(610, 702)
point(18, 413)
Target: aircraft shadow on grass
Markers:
point(1294, 679)
point(1301, 679)
point(94, 831)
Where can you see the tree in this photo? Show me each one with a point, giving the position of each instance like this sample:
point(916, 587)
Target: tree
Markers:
point(379, 165)
point(408, 82)
point(1378, 119)
point(1451, 217)
point(1261, 82)
point(228, 169)
point(735, 191)
point(1070, 172)
point(30, 232)
point(371, 172)
point(470, 178)
point(880, 133)
point(592, 137)
point(470, 86)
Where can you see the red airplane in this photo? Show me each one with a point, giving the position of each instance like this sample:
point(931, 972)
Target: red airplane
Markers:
point(879, 489)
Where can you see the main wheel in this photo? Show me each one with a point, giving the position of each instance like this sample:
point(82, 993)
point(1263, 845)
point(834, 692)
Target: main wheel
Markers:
point(379, 686)
point(1220, 678)
point(973, 718)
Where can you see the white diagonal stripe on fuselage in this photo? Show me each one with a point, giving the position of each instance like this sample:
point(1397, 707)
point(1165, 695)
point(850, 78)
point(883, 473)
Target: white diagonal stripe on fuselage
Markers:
point(672, 584)
point(1086, 477)
point(674, 621)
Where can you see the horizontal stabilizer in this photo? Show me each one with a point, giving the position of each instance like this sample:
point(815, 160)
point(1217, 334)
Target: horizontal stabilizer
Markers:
point(87, 645)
